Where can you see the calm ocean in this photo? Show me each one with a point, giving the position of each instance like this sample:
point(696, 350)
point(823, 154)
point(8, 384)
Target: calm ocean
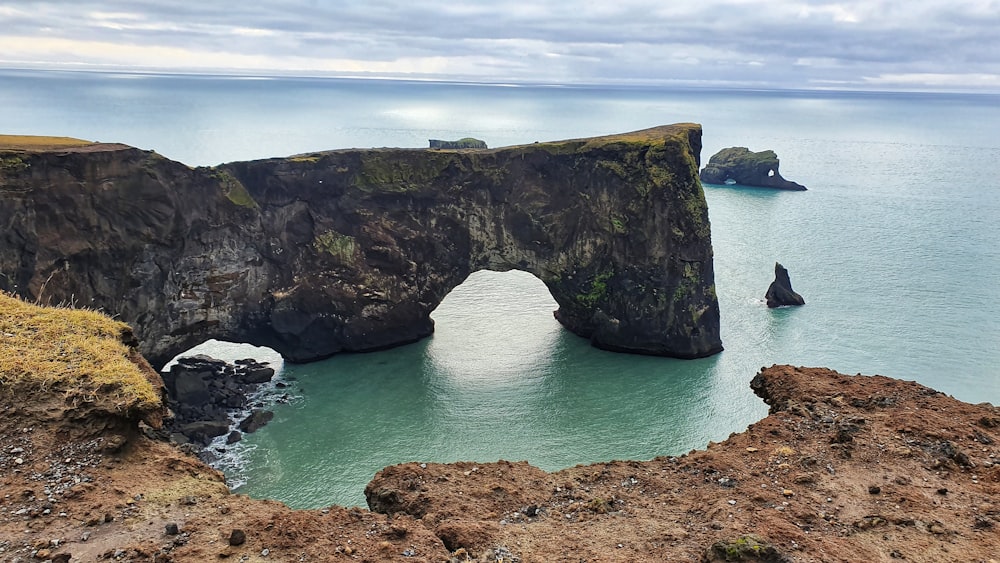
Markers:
point(895, 247)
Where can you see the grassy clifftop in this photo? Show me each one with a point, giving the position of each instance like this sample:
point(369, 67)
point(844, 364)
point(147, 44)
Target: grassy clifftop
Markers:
point(85, 352)
point(35, 142)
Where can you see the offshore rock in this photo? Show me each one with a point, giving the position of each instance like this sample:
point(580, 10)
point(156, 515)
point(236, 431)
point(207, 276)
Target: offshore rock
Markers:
point(466, 143)
point(746, 168)
point(780, 293)
point(351, 250)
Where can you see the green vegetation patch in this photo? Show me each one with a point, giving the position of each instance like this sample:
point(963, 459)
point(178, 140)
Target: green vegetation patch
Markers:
point(615, 167)
point(598, 290)
point(233, 189)
point(690, 280)
point(388, 171)
point(619, 224)
point(12, 164)
point(57, 348)
point(341, 247)
point(745, 548)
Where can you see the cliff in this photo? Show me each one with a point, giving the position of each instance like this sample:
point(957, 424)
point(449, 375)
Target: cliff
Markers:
point(351, 250)
point(844, 468)
point(747, 168)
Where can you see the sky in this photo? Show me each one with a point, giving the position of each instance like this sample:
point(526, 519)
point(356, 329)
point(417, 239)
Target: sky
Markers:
point(951, 45)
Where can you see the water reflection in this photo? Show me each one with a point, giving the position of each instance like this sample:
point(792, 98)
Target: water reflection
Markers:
point(485, 339)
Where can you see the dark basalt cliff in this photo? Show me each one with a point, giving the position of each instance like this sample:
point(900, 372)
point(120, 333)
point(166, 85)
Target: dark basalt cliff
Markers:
point(747, 168)
point(351, 250)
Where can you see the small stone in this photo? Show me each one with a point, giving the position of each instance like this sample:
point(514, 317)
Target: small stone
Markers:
point(788, 492)
point(85, 536)
point(171, 529)
point(874, 490)
point(43, 554)
point(732, 502)
point(18, 461)
point(265, 552)
point(237, 537)
point(942, 491)
point(751, 449)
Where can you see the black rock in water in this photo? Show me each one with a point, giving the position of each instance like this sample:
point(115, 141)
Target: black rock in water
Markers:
point(780, 293)
point(256, 420)
point(205, 393)
point(740, 165)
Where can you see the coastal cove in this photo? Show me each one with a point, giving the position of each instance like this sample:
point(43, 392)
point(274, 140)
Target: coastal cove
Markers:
point(893, 248)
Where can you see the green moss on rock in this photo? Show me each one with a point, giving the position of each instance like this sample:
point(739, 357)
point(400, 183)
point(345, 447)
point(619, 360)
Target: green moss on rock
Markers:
point(234, 190)
point(598, 290)
point(340, 246)
point(394, 172)
point(12, 164)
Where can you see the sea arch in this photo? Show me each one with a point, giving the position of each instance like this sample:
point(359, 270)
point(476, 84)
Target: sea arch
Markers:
point(351, 250)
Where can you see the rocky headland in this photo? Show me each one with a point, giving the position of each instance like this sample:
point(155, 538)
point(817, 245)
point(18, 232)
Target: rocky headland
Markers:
point(351, 250)
point(844, 468)
point(746, 168)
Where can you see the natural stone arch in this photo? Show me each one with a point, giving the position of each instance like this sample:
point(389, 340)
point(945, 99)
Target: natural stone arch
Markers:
point(352, 250)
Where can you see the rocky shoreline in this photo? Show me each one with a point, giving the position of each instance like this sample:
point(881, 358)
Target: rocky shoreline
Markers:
point(844, 468)
point(209, 398)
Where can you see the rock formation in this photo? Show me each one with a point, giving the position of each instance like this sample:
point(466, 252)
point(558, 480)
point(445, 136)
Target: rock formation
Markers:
point(464, 143)
point(746, 168)
point(351, 250)
point(780, 293)
point(204, 394)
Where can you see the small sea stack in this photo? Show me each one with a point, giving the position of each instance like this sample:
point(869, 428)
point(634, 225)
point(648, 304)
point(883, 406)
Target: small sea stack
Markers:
point(738, 165)
point(780, 293)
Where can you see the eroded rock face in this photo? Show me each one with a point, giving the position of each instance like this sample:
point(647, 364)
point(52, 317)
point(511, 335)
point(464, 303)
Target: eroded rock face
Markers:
point(352, 250)
point(747, 168)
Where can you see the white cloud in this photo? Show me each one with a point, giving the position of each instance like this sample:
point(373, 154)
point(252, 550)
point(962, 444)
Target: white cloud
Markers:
point(780, 43)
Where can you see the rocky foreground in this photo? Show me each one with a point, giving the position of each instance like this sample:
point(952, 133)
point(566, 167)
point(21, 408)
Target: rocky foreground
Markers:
point(844, 468)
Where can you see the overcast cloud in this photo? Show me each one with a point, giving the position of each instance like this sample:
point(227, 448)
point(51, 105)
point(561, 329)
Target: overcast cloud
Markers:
point(855, 44)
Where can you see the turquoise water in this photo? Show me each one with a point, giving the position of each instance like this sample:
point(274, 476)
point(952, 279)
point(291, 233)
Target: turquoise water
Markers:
point(894, 247)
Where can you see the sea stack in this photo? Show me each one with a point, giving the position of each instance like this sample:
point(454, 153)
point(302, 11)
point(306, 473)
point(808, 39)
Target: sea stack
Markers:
point(780, 293)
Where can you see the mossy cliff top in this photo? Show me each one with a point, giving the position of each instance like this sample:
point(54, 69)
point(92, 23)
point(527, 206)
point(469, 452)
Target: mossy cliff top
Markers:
point(77, 352)
point(39, 143)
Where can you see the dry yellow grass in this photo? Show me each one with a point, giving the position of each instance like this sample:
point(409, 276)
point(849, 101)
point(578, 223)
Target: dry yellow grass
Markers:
point(72, 350)
point(34, 142)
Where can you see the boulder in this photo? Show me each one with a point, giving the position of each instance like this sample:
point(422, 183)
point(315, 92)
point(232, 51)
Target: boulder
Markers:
point(739, 165)
point(256, 420)
point(203, 431)
point(257, 374)
point(780, 293)
point(189, 387)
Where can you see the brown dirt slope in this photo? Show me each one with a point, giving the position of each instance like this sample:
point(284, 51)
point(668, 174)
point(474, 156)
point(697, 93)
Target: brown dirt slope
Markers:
point(845, 468)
